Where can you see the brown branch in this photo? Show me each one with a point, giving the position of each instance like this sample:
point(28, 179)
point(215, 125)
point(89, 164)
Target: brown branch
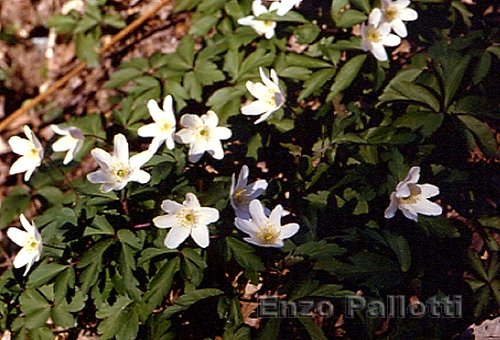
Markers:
point(81, 66)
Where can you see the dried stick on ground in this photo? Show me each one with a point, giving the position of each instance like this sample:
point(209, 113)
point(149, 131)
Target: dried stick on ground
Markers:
point(81, 66)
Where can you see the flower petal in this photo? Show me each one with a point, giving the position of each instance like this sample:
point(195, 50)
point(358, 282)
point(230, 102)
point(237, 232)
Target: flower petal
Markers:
point(64, 143)
point(200, 235)
point(139, 176)
point(210, 119)
point(426, 207)
point(428, 190)
point(391, 39)
point(99, 177)
point(190, 121)
point(120, 151)
point(400, 28)
point(191, 201)
point(18, 236)
point(103, 158)
point(165, 221)
point(379, 52)
point(393, 206)
point(138, 160)
point(246, 226)
point(288, 230)
point(176, 236)
point(257, 212)
point(208, 215)
point(20, 145)
point(149, 130)
point(223, 133)
point(256, 108)
point(171, 207)
point(154, 110)
point(24, 164)
point(408, 14)
point(275, 216)
point(409, 212)
point(375, 17)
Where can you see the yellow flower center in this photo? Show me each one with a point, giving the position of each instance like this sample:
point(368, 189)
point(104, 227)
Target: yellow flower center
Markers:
point(122, 173)
point(33, 153)
point(268, 24)
point(391, 13)
point(204, 133)
point(415, 196)
point(165, 126)
point(373, 35)
point(187, 218)
point(268, 234)
point(31, 244)
point(240, 196)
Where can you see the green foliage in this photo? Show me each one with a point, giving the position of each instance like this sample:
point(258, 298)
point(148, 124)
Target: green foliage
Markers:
point(348, 132)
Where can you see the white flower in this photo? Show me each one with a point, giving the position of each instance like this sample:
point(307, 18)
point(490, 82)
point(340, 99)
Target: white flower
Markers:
point(117, 170)
point(265, 231)
point(394, 13)
point(31, 151)
point(269, 96)
point(284, 6)
point(202, 134)
point(71, 141)
point(185, 219)
point(30, 241)
point(412, 198)
point(241, 194)
point(376, 35)
point(262, 27)
point(163, 128)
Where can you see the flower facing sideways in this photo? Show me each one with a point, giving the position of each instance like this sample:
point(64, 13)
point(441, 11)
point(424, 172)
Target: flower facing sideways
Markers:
point(163, 128)
point(269, 96)
point(265, 231)
point(412, 198)
point(376, 35)
point(31, 152)
point(394, 13)
point(30, 241)
point(282, 7)
point(117, 170)
point(202, 134)
point(242, 193)
point(71, 141)
point(262, 27)
point(185, 219)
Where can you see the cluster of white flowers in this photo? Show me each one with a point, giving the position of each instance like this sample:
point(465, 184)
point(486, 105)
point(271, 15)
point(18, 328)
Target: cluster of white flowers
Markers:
point(266, 27)
point(377, 34)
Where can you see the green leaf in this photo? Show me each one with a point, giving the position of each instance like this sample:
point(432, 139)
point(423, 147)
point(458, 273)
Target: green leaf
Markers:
point(203, 25)
point(62, 23)
point(61, 316)
point(86, 24)
point(35, 307)
point(243, 253)
point(207, 72)
point(192, 86)
point(160, 285)
point(185, 50)
point(420, 94)
point(296, 72)
point(349, 18)
point(293, 59)
point(391, 92)
point(313, 329)
point(100, 226)
point(128, 237)
point(271, 329)
point(44, 273)
point(452, 80)
point(427, 122)
point(346, 76)
point(317, 250)
point(114, 21)
point(491, 222)
point(337, 6)
point(96, 252)
point(316, 82)
point(483, 132)
point(400, 246)
point(187, 300)
point(86, 49)
point(14, 204)
point(307, 33)
point(122, 77)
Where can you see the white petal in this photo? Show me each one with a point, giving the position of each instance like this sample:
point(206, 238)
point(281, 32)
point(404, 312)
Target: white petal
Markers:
point(264, 117)
point(257, 188)
point(246, 226)
point(243, 177)
point(208, 215)
point(246, 21)
point(275, 216)
point(288, 230)
point(20, 145)
point(24, 164)
point(191, 201)
point(267, 82)
point(409, 212)
point(210, 119)
point(255, 108)
point(190, 120)
point(102, 158)
point(171, 207)
point(269, 33)
point(194, 157)
point(258, 8)
point(168, 107)
point(402, 3)
point(186, 136)
point(391, 40)
point(375, 17)
point(384, 28)
point(399, 27)
point(140, 176)
point(242, 212)
point(223, 132)
point(63, 144)
point(412, 177)
point(154, 110)
point(258, 90)
point(24, 257)
point(99, 177)
point(18, 236)
point(120, 151)
point(428, 190)
point(27, 225)
point(393, 206)
point(200, 235)
point(408, 14)
point(257, 212)
point(169, 142)
point(165, 221)
point(197, 150)
point(60, 130)
point(138, 160)
point(176, 236)
point(28, 173)
point(149, 130)
point(426, 207)
point(379, 52)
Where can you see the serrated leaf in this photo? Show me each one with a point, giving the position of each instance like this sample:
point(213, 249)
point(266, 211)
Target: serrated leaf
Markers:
point(43, 274)
point(122, 77)
point(100, 226)
point(128, 237)
point(313, 329)
point(453, 79)
point(482, 132)
point(349, 18)
point(207, 72)
point(14, 204)
point(315, 82)
point(346, 75)
point(160, 285)
point(86, 46)
point(243, 253)
point(187, 300)
point(400, 246)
